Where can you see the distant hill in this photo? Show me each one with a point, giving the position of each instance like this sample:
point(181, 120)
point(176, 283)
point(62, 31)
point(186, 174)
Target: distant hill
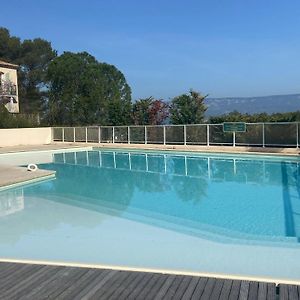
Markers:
point(251, 105)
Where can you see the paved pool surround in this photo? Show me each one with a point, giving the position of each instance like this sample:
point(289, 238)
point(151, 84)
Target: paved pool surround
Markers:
point(12, 176)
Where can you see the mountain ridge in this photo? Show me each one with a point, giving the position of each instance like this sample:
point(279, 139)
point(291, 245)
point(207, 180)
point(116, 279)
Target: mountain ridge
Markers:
point(251, 105)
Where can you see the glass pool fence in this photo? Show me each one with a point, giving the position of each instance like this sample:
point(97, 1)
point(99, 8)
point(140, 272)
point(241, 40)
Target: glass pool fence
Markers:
point(279, 134)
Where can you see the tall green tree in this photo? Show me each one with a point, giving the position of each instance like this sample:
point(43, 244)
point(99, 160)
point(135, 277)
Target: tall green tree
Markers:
point(188, 108)
point(84, 91)
point(10, 46)
point(33, 57)
point(140, 111)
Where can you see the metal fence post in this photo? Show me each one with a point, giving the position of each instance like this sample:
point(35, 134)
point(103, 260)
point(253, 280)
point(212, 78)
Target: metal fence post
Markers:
point(113, 134)
point(99, 134)
point(128, 135)
point(233, 139)
point(146, 138)
point(164, 134)
point(263, 135)
point(63, 134)
point(74, 136)
point(184, 134)
point(207, 134)
point(86, 134)
point(297, 132)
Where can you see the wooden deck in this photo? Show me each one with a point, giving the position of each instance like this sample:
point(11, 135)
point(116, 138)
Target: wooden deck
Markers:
point(27, 281)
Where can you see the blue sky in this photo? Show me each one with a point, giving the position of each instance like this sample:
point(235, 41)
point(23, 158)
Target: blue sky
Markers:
point(165, 47)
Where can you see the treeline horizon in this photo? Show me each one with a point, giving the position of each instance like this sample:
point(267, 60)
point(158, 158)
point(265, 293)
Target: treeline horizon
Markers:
point(74, 89)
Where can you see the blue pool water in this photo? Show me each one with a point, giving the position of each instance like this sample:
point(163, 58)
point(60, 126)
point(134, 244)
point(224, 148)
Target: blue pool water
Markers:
point(202, 213)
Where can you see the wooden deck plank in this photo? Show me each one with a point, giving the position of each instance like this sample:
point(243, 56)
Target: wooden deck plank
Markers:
point(158, 285)
point(17, 289)
point(271, 294)
point(96, 284)
point(18, 276)
point(191, 288)
point(283, 292)
point(14, 273)
point(215, 295)
point(182, 287)
point(133, 284)
point(117, 292)
point(208, 288)
point(36, 280)
point(67, 282)
point(6, 269)
point(199, 288)
point(226, 289)
point(148, 287)
point(253, 291)
point(25, 281)
point(5, 266)
point(293, 292)
point(61, 283)
point(244, 290)
point(72, 290)
point(36, 290)
point(235, 290)
point(161, 293)
point(110, 286)
point(134, 293)
point(262, 291)
point(173, 287)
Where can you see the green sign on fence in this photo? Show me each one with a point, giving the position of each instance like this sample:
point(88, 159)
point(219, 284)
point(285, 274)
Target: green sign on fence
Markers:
point(234, 127)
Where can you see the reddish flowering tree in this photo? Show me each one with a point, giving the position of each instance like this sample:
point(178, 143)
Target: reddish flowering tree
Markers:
point(150, 111)
point(158, 112)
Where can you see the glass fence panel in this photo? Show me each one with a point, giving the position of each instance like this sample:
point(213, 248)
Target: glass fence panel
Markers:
point(80, 134)
point(57, 134)
point(218, 136)
point(121, 134)
point(281, 134)
point(298, 140)
point(257, 134)
point(196, 134)
point(69, 134)
point(155, 134)
point(106, 134)
point(175, 135)
point(137, 134)
point(253, 135)
point(93, 134)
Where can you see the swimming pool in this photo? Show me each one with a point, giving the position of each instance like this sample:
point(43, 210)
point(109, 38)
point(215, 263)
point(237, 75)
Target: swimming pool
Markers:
point(206, 213)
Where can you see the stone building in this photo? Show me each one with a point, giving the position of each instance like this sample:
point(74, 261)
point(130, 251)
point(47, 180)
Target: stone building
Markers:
point(9, 86)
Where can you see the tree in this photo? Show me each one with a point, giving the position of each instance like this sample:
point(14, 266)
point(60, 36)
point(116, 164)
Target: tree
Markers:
point(159, 112)
point(188, 108)
point(149, 111)
point(140, 111)
point(236, 116)
point(33, 57)
point(10, 46)
point(84, 91)
point(8, 120)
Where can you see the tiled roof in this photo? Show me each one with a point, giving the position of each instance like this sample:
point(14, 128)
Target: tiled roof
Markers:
point(8, 65)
